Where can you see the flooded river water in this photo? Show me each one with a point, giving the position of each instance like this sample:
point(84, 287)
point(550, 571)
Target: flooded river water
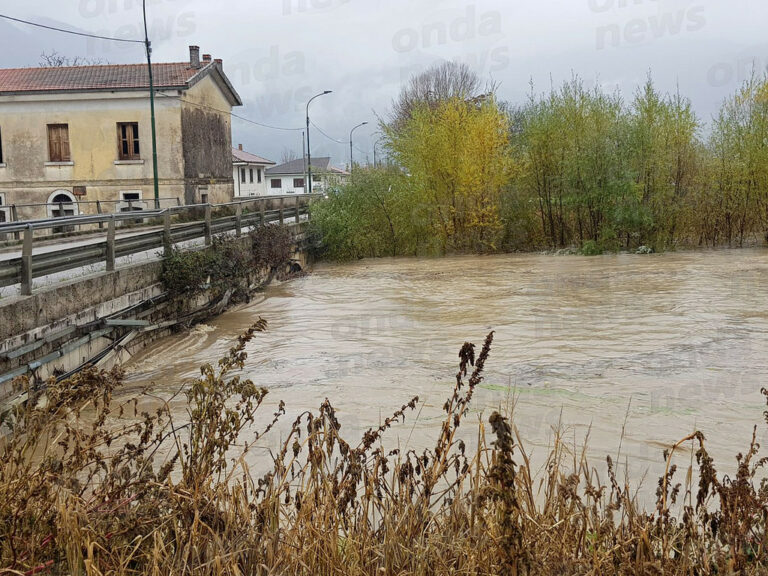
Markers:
point(656, 345)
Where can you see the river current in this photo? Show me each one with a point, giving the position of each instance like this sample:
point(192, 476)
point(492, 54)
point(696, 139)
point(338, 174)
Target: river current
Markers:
point(630, 350)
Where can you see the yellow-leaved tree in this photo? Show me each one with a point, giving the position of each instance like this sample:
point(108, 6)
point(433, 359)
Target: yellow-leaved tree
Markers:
point(456, 154)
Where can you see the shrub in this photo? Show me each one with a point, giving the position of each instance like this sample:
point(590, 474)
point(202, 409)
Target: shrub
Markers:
point(591, 248)
point(186, 272)
point(272, 247)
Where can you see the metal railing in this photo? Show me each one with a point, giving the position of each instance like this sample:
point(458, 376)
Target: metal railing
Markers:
point(102, 206)
point(29, 266)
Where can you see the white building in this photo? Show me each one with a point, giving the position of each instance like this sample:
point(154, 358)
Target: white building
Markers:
point(289, 178)
point(249, 172)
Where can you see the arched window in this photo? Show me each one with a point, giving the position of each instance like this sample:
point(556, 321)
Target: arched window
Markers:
point(61, 204)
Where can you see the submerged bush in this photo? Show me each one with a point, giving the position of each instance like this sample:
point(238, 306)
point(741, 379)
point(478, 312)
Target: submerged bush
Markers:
point(186, 272)
point(591, 248)
point(272, 246)
point(226, 266)
point(89, 486)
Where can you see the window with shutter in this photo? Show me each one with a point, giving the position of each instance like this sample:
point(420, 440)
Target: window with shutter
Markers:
point(128, 141)
point(58, 142)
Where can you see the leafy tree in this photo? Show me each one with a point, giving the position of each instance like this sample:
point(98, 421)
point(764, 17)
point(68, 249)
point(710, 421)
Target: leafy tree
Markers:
point(739, 149)
point(456, 154)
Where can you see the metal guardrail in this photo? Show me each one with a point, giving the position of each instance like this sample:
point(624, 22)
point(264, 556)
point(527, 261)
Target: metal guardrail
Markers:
point(99, 204)
point(22, 270)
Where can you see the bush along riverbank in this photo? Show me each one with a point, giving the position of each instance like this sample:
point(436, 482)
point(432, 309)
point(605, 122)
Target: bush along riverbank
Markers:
point(229, 270)
point(90, 486)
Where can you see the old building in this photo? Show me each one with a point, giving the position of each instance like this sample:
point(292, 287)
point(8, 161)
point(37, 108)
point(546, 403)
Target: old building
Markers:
point(73, 136)
point(249, 172)
point(289, 178)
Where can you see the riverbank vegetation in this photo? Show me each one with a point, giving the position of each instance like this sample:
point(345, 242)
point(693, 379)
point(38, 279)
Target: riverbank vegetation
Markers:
point(576, 167)
point(230, 266)
point(92, 486)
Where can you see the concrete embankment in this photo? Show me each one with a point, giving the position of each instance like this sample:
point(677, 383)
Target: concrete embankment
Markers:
point(104, 318)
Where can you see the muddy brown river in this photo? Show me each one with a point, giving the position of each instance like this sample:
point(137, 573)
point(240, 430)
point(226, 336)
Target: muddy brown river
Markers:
point(657, 346)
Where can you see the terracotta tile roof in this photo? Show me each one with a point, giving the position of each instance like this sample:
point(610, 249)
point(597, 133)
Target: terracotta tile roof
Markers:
point(243, 156)
point(319, 164)
point(109, 77)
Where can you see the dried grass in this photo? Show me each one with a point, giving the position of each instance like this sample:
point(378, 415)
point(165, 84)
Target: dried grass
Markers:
point(83, 490)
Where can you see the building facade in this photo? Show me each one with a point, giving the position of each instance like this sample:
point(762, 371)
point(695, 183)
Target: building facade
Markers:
point(78, 139)
point(289, 178)
point(249, 173)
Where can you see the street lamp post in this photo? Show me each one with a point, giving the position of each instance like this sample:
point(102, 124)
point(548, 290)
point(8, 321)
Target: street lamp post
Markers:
point(375, 144)
point(309, 152)
point(351, 161)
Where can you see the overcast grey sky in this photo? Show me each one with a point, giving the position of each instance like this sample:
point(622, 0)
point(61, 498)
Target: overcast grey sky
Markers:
point(280, 52)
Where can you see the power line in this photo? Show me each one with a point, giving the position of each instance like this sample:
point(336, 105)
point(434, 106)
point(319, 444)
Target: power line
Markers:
point(73, 32)
point(326, 135)
point(243, 118)
point(265, 125)
point(338, 141)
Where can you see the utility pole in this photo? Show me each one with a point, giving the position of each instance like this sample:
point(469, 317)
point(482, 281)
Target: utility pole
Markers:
point(309, 151)
point(148, 46)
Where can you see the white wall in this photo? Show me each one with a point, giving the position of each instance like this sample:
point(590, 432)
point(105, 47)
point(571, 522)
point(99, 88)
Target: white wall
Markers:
point(319, 184)
point(287, 185)
point(249, 188)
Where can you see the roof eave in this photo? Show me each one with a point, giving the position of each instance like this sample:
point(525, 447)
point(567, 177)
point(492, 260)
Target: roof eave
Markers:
point(90, 90)
point(221, 78)
point(246, 162)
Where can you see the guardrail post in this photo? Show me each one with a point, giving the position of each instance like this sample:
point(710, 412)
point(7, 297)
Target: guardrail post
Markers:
point(261, 212)
point(26, 262)
point(238, 219)
point(110, 253)
point(282, 211)
point(208, 225)
point(15, 218)
point(98, 211)
point(178, 201)
point(297, 209)
point(167, 244)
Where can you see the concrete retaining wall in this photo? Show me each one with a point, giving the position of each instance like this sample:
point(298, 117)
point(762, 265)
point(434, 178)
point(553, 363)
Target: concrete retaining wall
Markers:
point(36, 327)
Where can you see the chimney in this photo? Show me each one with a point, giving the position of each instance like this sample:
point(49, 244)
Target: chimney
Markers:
point(220, 62)
point(239, 146)
point(194, 56)
point(207, 58)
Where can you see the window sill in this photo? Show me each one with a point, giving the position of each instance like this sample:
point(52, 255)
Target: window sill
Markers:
point(59, 163)
point(2, 165)
point(128, 162)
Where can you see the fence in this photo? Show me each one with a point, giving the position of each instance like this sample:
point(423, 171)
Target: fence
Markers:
point(238, 215)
